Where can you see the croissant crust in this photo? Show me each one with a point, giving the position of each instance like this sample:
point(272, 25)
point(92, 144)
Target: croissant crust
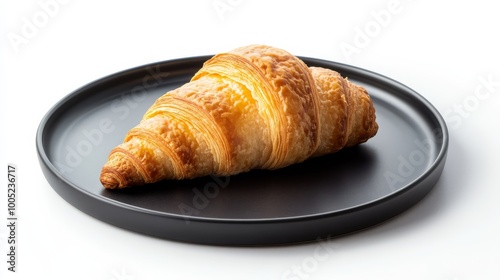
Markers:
point(255, 107)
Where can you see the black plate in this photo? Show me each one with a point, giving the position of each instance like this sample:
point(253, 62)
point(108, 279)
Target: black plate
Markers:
point(322, 197)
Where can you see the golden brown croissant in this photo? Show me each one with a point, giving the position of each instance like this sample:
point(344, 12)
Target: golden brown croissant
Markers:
point(255, 107)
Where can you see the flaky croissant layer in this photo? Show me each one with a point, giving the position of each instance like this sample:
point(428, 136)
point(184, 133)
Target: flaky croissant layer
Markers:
point(255, 107)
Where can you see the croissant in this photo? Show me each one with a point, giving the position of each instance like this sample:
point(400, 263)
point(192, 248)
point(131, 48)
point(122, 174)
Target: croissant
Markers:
point(255, 107)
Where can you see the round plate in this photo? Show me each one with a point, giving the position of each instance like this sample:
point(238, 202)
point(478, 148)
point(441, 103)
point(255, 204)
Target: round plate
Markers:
point(322, 197)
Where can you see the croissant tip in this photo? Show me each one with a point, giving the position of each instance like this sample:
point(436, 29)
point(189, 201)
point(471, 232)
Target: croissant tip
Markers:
point(109, 179)
point(109, 183)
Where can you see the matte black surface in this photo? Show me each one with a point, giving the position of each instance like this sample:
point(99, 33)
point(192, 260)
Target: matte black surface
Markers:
point(322, 197)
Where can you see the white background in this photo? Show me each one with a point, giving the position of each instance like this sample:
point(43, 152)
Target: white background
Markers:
point(445, 51)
